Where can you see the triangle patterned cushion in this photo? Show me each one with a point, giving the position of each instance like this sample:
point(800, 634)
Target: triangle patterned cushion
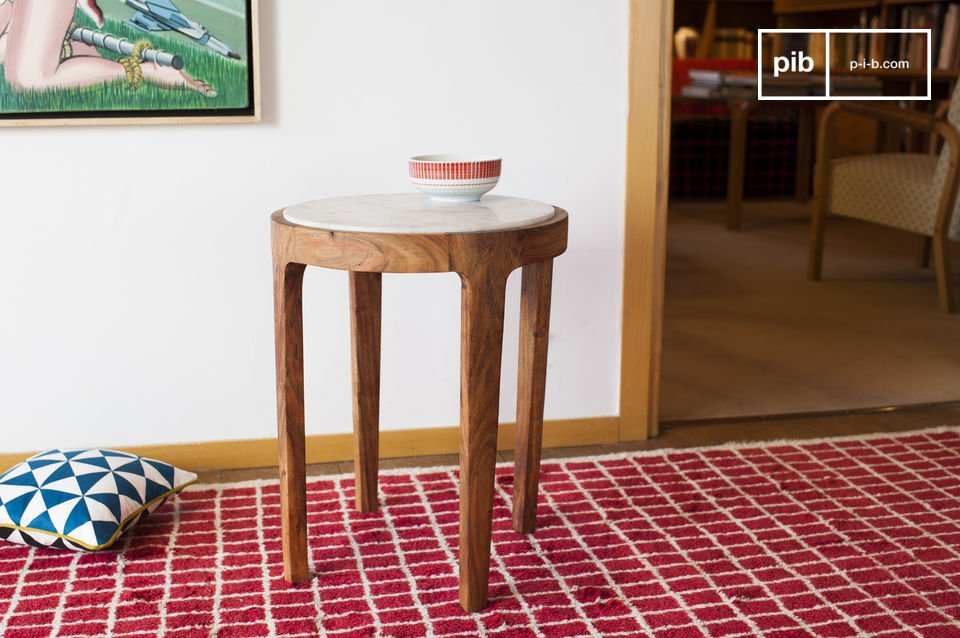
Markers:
point(82, 499)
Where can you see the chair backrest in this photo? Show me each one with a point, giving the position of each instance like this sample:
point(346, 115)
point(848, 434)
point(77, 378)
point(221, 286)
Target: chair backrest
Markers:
point(953, 116)
point(943, 163)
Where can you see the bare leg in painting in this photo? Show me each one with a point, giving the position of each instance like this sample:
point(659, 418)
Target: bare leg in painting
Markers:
point(35, 42)
point(6, 9)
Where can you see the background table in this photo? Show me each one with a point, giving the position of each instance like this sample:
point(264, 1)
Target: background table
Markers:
point(740, 109)
point(483, 242)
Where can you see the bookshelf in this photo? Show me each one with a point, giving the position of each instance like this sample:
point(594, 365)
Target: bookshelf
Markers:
point(886, 14)
point(713, 16)
point(784, 7)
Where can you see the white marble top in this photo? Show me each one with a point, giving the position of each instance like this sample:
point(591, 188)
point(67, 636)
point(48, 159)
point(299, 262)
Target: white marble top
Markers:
point(415, 213)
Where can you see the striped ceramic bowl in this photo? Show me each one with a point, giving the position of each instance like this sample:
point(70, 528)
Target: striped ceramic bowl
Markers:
point(454, 178)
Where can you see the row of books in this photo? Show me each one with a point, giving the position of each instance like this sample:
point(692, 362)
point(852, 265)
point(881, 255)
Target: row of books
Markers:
point(942, 18)
point(706, 83)
point(844, 47)
point(948, 56)
point(734, 44)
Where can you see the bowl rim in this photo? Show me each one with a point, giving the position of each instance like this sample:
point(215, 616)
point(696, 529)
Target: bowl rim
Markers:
point(453, 158)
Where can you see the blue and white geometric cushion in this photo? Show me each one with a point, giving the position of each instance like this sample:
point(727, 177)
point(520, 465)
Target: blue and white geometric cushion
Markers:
point(82, 499)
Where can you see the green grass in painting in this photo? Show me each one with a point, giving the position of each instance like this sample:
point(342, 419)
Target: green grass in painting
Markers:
point(227, 77)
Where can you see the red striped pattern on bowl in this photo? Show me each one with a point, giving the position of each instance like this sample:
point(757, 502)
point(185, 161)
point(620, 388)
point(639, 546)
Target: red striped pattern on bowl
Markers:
point(437, 170)
point(454, 178)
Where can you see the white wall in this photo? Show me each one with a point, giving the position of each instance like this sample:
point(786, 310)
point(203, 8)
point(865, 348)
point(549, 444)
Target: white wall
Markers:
point(135, 279)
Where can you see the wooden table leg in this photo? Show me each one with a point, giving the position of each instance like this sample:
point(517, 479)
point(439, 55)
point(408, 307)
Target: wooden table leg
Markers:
point(288, 323)
point(481, 343)
point(365, 304)
point(804, 153)
point(821, 191)
point(923, 251)
point(736, 166)
point(942, 264)
point(534, 337)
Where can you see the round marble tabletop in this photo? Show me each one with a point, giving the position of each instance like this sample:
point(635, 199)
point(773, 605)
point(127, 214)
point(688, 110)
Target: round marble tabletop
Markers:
point(415, 213)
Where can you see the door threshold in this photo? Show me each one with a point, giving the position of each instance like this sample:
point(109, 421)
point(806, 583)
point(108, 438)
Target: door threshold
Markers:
point(816, 414)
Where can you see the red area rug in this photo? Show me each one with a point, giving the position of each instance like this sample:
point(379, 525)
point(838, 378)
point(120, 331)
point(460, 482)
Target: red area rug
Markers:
point(843, 537)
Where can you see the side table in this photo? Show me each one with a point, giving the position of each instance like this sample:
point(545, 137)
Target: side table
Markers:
point(483, 242)
point(740, 109)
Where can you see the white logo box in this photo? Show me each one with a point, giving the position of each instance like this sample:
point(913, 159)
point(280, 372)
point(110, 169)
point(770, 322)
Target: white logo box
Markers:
point(827, 96)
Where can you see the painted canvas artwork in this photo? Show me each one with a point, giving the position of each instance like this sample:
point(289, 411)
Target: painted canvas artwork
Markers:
point(64, 60)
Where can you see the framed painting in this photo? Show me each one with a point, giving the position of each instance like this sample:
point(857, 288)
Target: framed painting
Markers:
point(68, 62)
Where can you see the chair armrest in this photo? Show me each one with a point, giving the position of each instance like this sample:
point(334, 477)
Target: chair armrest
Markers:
point(917, 120)
point(913, 119)
point(936, 124)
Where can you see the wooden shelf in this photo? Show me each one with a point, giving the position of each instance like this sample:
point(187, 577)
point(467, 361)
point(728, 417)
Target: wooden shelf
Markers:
point(938, 75)
point(812, 6)
point(905, 74)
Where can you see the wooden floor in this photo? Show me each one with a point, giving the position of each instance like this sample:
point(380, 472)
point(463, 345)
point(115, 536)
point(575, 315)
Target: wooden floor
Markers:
point(745, 333)
point(680, 435)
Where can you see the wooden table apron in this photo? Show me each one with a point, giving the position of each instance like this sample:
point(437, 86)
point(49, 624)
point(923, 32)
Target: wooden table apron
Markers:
point(483, 260)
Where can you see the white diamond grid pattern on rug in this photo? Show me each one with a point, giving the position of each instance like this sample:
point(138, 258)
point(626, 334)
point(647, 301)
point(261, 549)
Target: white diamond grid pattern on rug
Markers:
point(838, 537)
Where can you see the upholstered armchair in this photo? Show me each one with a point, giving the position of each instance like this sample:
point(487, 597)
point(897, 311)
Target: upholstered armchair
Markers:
point(916, 192)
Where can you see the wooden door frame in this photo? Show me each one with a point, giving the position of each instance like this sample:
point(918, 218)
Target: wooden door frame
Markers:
point(645, 227)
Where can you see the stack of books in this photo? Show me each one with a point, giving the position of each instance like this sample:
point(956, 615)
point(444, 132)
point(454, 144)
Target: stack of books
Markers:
point(706, 83)
point(718, 84)
point(792, 85)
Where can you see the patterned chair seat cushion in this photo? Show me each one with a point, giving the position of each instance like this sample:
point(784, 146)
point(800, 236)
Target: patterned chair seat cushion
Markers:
point(894, 189)
point(82, 499)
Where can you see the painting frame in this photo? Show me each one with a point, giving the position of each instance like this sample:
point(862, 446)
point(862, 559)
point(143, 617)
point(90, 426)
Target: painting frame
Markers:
point(251, 113)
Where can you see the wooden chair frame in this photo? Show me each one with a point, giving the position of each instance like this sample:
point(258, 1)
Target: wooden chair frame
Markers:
point(935, 125)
